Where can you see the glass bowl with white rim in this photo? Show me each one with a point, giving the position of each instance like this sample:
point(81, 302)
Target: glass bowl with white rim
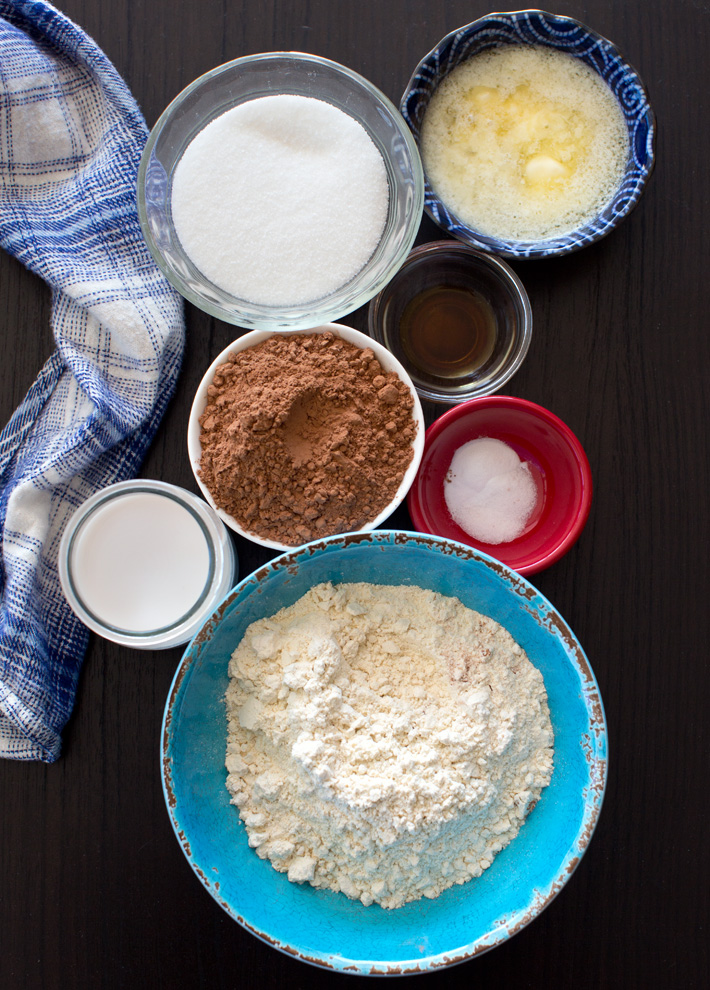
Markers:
point(231, 87)
point(144, 563)
point(551, 32)
point(388, 362)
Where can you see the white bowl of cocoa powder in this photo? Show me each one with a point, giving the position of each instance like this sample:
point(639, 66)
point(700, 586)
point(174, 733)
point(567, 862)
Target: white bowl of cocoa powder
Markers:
point(294, 436)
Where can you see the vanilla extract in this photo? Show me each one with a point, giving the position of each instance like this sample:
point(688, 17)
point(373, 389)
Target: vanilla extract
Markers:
point(448, 332)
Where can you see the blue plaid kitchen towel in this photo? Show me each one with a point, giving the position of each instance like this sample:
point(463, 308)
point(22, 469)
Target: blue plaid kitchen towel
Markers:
point(71, 137)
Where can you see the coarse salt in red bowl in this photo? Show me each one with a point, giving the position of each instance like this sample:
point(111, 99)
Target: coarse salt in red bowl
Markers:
point(554, 456)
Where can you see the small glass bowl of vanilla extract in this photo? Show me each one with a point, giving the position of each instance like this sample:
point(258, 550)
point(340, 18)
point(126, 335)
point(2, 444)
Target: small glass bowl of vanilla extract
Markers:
point(458, 319)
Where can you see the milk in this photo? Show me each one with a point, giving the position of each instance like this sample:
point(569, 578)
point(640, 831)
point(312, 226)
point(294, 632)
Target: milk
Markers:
point(140, 562)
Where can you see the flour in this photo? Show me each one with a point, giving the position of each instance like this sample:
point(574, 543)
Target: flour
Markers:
point(384, 741)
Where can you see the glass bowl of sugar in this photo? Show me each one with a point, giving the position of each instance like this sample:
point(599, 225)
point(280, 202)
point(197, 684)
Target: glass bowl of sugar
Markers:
point(280, 191)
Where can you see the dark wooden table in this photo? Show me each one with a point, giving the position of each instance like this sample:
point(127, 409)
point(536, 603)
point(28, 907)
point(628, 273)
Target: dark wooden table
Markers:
point(94, 889)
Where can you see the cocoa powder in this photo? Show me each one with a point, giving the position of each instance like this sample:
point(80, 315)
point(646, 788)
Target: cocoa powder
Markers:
point(305, 436)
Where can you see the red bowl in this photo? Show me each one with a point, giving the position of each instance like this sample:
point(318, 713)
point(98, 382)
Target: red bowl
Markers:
point(554, 455)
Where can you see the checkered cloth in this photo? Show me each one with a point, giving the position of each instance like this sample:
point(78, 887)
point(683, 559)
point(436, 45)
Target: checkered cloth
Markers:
point(71, 137)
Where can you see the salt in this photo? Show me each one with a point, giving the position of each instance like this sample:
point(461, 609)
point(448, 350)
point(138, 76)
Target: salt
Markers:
point(280, 200)
point(489, 491)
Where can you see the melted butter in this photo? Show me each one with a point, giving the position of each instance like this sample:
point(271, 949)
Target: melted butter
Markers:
point(524, 142)
point(548, 140)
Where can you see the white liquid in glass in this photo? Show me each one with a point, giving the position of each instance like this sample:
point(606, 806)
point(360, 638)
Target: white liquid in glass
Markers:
point(140, 562)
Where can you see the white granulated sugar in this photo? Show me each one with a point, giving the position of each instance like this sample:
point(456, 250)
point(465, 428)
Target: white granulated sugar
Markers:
point(384, 741)
point(280, 200)
point(489, 491)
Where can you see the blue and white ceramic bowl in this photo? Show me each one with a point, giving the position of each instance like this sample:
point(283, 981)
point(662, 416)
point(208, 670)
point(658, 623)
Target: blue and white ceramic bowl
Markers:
point(536, 27)
point(328, 929)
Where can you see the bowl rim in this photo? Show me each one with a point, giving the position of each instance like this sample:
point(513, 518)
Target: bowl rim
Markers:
point(374, 317)
point(388, 361)
point(572, 443)
point(270, 318)
point(223, 565)
point(510, 247)
point(595, 746)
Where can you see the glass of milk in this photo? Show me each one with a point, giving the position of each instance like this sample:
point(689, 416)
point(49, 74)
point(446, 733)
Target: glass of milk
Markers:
point(144, 563)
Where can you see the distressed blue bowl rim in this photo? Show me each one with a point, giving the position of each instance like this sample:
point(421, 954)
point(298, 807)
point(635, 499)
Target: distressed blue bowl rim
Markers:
point(592, 743)
point(644, 118)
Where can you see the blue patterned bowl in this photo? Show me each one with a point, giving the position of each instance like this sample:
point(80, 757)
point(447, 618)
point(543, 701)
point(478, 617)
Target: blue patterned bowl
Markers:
point(536, 27)
point(328, 929)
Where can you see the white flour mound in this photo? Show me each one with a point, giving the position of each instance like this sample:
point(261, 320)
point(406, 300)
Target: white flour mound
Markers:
point(384, 741)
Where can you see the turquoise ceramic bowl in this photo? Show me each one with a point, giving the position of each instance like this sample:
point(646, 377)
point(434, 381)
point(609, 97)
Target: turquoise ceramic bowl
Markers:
point(325, 928)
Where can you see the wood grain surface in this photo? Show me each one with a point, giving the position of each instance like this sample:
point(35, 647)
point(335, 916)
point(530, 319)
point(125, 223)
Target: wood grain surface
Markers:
point(94, 889)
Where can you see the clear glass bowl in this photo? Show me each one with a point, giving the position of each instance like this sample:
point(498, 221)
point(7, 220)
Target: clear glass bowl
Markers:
point(136, 583)
point(247, 79)
point(444, 265)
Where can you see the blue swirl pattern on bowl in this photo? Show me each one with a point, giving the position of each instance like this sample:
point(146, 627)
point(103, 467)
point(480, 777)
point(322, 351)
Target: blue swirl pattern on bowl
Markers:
point(536, 27)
